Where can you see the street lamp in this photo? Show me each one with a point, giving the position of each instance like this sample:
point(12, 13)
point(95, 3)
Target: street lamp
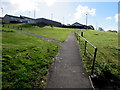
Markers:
point(2, 11)
point(86, 19)
point(63, 20)
point(51, 16)
point(34, 13)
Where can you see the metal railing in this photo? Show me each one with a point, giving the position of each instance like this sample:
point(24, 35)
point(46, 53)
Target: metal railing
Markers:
point(78, 36)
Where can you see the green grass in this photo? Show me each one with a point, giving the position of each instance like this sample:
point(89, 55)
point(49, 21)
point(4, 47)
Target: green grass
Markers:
point(107, 54)
point(25, 59)
point(55, 33)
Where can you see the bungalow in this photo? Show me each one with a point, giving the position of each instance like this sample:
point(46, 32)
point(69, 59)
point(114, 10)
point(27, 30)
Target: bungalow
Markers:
point(11, 19)
point(15, 19)
point(27, 19)
point(48, 22)
point(77, 24)
point(1, 19)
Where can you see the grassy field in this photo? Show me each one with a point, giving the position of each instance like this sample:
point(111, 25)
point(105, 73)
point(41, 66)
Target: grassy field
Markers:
point(107, 55)
point(55, 33)
point(25, 59)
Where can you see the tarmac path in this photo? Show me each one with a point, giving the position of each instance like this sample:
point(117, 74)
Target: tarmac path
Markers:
point(67, 70)
point(41, 37)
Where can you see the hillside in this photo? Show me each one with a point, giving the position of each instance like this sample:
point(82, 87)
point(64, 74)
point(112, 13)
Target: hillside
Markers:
point(107, 55)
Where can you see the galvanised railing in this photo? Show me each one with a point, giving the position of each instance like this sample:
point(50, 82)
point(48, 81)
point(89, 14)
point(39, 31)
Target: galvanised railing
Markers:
point(78, 36)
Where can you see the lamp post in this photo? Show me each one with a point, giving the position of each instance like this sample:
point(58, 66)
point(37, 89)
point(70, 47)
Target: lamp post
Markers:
point(63, 20)
point(29, 13)
point(2, 11)
point(34, 13)
point(96, 25)
point(86, 21)
point(51, 16)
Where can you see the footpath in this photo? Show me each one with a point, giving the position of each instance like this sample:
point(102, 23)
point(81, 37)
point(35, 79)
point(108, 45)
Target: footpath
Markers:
point(67, 70)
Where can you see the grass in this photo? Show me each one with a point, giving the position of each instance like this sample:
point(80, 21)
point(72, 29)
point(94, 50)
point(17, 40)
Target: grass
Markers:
point(107, 55)
point(25, 59)
point(55, 33)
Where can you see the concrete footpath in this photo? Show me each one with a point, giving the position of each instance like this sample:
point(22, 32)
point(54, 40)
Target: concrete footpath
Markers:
point(68, 71)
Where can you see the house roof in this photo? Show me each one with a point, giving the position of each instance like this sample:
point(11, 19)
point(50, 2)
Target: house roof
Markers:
point(44, 19)
point(1, 17)
point(26, 17)
point(21, 17)
point(77, 24)
point(12, 16)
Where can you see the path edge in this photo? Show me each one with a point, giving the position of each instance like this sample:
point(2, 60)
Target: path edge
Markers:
point(83, 63)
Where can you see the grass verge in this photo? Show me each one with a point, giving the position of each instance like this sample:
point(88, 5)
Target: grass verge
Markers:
point(107, 68)
point(25, 59)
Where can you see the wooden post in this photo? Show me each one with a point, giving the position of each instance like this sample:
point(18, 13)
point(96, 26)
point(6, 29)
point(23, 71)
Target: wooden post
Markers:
point(94, 61)
point(85, 47)
point(82, 34)
point(79, 39)
point(77, 36)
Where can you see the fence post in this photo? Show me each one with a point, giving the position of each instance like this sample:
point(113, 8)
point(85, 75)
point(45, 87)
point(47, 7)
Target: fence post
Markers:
point(85, 47)
point(82, 34)
point(2, 25)
point(79, 39)
point(94, 61)
point(77, 36)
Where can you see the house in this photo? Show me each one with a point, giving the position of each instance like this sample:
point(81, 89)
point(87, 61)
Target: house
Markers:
point(27, 19)
point(1, 19)
point(48, 22)
point(11, 19)
point(77, 24)
point(15, 19)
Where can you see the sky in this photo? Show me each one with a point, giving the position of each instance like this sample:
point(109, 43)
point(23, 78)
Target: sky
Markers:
point(100, 13)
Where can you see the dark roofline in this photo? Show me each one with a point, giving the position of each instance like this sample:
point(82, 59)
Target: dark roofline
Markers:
point(77, 23)
point(12, 16)
point(48, 20)
point(26, 17)
point(1, 17)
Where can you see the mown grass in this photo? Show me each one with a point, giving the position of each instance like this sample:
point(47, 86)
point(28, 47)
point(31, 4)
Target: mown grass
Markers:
point(55, 33)
point(107, 55)
point(25, 59)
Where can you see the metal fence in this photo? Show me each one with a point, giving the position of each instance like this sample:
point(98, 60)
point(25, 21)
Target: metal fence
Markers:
point(86, 42)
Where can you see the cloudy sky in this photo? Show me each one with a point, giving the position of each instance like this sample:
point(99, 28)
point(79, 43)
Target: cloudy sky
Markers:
point(103, 13)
